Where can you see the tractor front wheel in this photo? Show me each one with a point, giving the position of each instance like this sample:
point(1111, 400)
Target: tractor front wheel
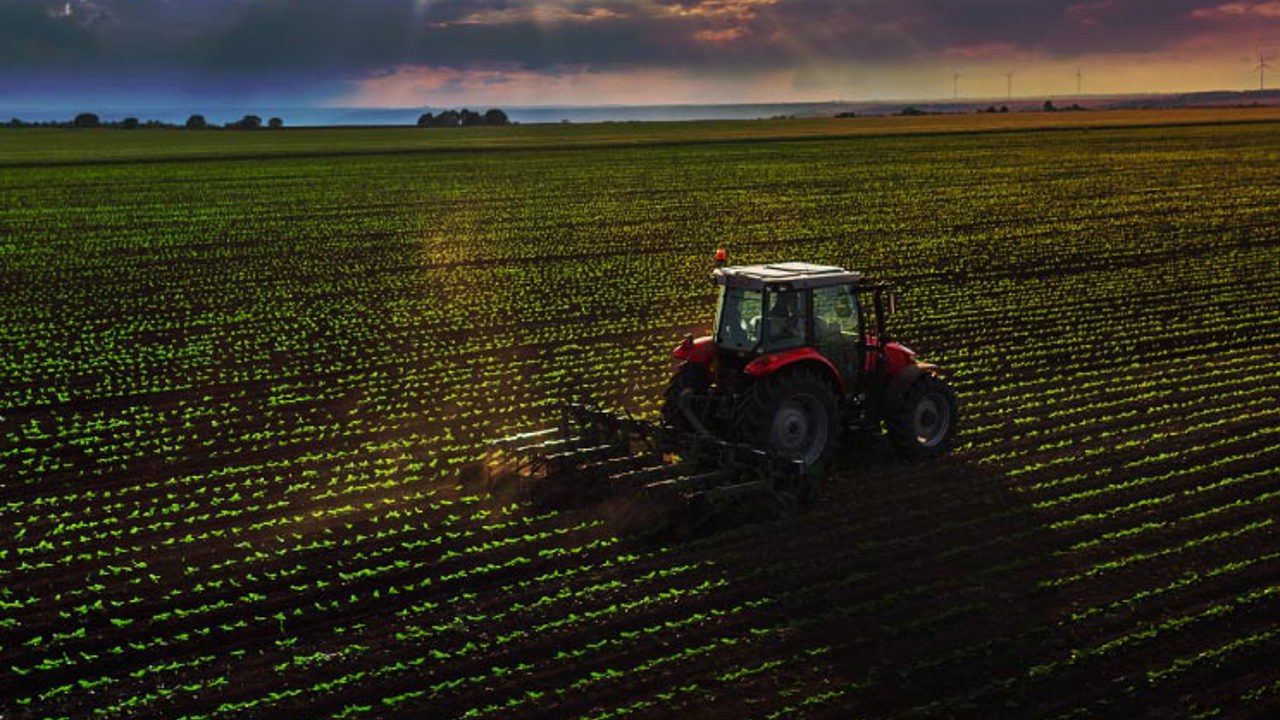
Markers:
point(924, 422)
point(792, 413)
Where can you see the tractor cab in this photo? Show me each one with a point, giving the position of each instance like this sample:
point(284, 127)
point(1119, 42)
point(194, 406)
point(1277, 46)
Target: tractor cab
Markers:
point(767, 309)
point(799, 351)
point(797, 311)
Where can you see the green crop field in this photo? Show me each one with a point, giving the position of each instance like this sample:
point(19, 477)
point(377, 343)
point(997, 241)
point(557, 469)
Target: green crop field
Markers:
point(241, 376)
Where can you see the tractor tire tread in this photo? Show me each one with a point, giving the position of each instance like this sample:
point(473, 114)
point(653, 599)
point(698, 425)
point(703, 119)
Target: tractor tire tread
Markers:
point(898, 423)
point(754, 416)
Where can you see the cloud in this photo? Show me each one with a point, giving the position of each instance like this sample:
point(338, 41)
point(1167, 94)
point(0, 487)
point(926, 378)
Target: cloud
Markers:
point(33, 34)
point(442, 86)
point(1061, 28)
point(336, 42)
point(717, 37)
point(534, 14)
point(1237, 10)
point(737, 10)
point(361, 35)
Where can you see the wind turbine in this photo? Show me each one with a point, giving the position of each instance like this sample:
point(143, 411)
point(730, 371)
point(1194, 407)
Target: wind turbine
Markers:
point(955, 85)
point(1079, 80)
point(1262, 71)
point(1008, 79)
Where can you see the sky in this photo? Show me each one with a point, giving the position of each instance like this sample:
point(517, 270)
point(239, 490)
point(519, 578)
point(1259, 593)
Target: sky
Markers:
point(450, 53)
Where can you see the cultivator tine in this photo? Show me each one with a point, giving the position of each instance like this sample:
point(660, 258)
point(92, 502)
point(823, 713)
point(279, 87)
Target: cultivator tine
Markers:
point(581, 455)
point(510, 459)
point(687, 483)
point(541, 449)
point(520, 439)
point(612, 467)
point(639, 480)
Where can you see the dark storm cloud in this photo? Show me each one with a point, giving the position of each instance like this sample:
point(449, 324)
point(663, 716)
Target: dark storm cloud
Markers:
point(318, 34)
point(333, 37)
point(1060, 27)
point(29, 35)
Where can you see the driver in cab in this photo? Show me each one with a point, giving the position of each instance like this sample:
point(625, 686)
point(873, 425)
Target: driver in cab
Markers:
point(786, 320)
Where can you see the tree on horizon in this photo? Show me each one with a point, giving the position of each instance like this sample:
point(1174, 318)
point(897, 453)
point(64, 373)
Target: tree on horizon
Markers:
point(248, 122)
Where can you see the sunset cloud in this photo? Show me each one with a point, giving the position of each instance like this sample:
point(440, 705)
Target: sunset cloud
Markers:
point(534, 14)
point(716, 37)
point(361, 49)
point(412, 86)
point(740, 10)
point(1270, 10)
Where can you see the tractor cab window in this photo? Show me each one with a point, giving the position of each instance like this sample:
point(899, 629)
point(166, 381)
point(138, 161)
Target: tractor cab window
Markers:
point(785, 323)
point(835, 312)
point(738, 318)
point(836, 330)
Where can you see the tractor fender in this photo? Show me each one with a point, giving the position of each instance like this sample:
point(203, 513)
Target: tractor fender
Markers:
point(701, 350)
point(898, 357)
point(902, 382)
point(895, 357)
point(766, 365)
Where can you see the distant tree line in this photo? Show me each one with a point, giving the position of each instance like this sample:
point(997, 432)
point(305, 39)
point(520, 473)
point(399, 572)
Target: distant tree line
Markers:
point(195, 122)
point(463, 118)
point(448, 118)
point(1050, 107)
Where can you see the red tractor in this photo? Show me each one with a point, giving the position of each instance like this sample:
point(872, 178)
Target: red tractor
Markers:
point(800, 352)
point(755, 411)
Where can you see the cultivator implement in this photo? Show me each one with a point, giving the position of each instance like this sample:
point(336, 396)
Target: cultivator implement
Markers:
point(663, 475)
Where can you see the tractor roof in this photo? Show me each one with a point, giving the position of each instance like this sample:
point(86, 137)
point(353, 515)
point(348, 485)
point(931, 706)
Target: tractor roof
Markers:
point(796, 275)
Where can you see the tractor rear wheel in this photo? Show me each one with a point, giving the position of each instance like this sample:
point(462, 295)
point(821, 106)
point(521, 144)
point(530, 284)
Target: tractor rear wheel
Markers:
point(792, 413)
point(693, 377)
point(924, 422)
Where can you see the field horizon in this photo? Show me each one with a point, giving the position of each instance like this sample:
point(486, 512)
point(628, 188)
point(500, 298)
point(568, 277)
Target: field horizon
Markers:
point(56, 146)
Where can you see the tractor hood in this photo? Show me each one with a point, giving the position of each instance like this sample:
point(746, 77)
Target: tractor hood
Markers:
point(698, 350)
